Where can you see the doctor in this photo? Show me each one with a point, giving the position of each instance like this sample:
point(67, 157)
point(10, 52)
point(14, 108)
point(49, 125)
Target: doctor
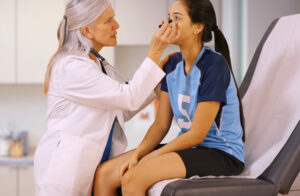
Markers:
point(87, 107)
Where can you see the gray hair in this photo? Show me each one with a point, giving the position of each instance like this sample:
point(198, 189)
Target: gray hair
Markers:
point(78, 13)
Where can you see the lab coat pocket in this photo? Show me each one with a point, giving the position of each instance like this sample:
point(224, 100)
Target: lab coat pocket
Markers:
point(73, 164)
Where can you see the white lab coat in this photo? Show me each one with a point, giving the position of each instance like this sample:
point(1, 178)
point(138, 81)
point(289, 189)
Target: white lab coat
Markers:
point(83, 103)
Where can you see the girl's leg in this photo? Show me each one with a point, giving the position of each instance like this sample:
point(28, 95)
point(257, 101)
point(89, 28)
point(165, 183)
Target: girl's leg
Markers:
point(138, 179)
point(107, 179)
point(200, 161)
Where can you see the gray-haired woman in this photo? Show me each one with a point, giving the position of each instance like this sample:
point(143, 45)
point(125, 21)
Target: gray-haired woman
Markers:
point(87, 107)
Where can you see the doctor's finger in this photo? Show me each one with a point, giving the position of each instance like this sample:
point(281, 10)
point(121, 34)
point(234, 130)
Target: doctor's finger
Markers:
point(173, 34)
point(166, 34)
point(162, 29)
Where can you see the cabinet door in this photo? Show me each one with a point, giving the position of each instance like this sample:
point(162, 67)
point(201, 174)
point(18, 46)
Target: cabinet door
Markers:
point(26, 181)
point(7, 40)
point(37, 23)
point(139, 19)
point(8, 176)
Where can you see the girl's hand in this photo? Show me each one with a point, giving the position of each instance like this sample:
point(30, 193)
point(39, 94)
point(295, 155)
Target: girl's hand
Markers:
point(130, 163)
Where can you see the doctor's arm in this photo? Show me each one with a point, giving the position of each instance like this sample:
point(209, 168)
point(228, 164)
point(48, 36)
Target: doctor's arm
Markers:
point(83, 82)
point(129, 114)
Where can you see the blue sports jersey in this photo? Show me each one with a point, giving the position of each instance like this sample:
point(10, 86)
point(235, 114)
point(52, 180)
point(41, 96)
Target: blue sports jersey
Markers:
point(209, 79)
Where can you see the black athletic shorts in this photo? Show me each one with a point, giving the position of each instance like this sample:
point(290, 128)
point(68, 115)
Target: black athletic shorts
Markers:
point(203, 161)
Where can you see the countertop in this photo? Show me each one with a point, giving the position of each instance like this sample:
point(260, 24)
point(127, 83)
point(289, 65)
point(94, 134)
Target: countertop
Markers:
point(18, 161)
point(21, 161)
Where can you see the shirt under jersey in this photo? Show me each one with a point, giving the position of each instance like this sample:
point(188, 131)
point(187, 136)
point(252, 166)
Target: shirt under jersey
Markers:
point(106, 152)
point(209, 79)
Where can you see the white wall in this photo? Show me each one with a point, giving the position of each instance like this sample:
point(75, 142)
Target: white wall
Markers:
point(26, 105)
point(23, 107)
point(260, 15)
point(230, 20)
point(244, 23)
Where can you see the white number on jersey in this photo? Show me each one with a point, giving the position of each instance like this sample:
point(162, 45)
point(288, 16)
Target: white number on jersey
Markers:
point(181, 122)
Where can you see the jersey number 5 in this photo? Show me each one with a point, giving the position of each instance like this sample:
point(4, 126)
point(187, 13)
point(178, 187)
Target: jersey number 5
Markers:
point(180, 121)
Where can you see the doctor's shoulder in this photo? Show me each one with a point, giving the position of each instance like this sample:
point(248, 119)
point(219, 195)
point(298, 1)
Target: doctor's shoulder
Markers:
point(73, 63)
point(77, 69)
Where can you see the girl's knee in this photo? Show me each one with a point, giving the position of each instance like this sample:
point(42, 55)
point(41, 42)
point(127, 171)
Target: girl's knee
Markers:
point(103, 173)
point(131, 184)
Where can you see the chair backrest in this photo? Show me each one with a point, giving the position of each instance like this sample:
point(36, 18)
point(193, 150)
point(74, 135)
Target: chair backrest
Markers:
point(285, 168)
point(249, 74)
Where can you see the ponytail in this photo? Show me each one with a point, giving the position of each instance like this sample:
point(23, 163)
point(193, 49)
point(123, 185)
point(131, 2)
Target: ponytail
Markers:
point(221, 46)
point(202, 11)
point(61, 35)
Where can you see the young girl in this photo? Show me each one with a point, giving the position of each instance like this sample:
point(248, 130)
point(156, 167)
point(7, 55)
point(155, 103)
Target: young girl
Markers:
point(199, 90)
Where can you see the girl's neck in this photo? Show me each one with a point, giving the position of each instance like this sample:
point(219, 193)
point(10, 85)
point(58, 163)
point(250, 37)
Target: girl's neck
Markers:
point(190, 51)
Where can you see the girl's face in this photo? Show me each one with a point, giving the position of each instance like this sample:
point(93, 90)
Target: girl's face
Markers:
point(104, 30)
point(179, 14)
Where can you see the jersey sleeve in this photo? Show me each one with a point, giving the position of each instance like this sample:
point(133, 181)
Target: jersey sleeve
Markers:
point(164, 86)
point(215, 81)
point(169, 67)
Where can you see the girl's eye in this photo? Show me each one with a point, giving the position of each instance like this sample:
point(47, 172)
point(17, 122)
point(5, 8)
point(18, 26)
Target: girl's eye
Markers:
point(176, 18)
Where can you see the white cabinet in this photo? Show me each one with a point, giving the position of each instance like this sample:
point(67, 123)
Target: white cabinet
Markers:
point(8, 185)
point(138, 20)
point(7, 41)
point(17, 181)
point(28, 38)
point(26, 181)
point(37, 23)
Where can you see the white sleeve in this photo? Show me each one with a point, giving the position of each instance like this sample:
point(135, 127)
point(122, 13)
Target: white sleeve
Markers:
point(84, 83)
point(129, 114)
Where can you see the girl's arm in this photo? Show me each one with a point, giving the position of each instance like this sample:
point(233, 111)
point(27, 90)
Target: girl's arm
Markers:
point(155, 133)
point(204, 117)
point(159, 128)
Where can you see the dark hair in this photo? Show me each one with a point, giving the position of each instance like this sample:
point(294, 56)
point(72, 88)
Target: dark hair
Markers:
point(202, 11)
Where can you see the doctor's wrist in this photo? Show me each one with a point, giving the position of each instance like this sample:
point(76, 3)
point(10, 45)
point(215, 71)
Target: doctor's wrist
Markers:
point(155, 55)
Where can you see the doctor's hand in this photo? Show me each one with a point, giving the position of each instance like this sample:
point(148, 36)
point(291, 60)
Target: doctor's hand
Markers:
point(130, 163)
point(163, 62)
point(162, 37)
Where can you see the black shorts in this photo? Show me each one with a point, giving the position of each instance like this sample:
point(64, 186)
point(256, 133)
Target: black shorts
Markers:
point(204, 161)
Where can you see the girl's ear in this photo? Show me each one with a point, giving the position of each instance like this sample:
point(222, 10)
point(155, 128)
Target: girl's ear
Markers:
point(199, 28)
point(86, 31)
